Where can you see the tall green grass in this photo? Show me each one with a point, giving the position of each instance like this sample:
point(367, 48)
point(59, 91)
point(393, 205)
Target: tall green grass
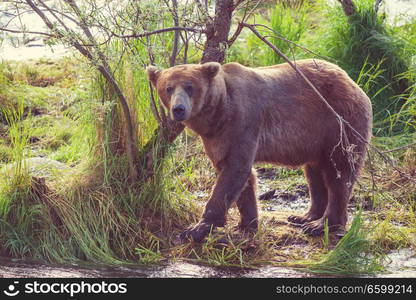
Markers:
point(19, 133)
point(91, 213)
point(4, 82)
point(289, 21)
point(18, 219)
point(405, 117)
point(365, 38)
point(363, 41)
point(354, 254)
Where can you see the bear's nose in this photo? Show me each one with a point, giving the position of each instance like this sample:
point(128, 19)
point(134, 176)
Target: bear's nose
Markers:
point(179, 112)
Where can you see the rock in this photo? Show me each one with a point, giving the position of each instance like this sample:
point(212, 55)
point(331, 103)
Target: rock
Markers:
point(266, 173)
point(267, 195)
point(302, 190)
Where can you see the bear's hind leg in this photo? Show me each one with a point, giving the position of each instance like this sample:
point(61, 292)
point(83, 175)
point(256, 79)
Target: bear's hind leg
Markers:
point(318, 194)
point(339, 191)
point(247, 205)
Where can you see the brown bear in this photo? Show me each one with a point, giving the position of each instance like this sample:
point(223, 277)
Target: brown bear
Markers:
point(270, 115)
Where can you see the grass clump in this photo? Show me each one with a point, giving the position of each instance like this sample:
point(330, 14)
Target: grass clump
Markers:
point(365, 38)
point(390, 236)
point(45, 86)
point(87, 211)
point(231, 248)
point(354, 254)
point(289, 21)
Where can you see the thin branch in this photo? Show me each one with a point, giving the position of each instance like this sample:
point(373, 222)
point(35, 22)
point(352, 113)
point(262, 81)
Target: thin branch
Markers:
point(160, 117)
point(246, 16)
point(185, 42)
point(237, 3)
point(374, 185)
point(44, 18)
point(28, 32)
point(176, 34)
point(55, 16)
point(145, 34)
point(279, 36)
point(14, 16)
point(236, 34)
point(400, 148)
point(153, 105)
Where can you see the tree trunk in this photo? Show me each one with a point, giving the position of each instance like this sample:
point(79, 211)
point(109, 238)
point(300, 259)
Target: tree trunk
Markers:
point(348, 7)
point(217, 32)
point(176, 34)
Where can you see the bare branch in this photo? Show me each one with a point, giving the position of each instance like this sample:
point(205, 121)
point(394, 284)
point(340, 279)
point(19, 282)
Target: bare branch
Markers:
point(252, 28)
point(145, 34)
point(246, 16)
point(235, 35)
point(174, 12)
point(55, 16)
point(28, 32)
point(401, 148)
point(279, 36)
point(153, 105)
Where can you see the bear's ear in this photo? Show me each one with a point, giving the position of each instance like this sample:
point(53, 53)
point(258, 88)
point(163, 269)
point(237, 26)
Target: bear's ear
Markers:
point(153, 74)
point(210, 69)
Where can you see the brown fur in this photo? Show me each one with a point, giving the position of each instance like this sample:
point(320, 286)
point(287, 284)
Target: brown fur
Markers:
point(248, 115)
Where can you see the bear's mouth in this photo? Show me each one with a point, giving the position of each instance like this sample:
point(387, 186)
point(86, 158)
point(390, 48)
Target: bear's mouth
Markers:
point(179, 119)
point(179, 113)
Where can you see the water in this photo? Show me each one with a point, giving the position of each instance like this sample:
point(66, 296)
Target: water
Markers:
point(403, 264)
point(22, 269)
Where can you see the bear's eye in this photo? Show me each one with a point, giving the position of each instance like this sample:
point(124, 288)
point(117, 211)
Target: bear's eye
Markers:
point(189, 89)
point(169, 90)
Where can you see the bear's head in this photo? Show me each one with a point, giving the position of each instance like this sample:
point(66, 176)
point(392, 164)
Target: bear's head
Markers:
point(183, 89)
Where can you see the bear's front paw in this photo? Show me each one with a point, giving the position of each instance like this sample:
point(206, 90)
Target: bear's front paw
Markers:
point(197, 233)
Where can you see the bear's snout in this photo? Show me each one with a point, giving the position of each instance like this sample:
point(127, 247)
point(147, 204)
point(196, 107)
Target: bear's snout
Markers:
point(179, 112)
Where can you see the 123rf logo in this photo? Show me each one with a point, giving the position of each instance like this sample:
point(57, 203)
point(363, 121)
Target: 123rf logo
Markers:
point(12, 290)
point(70, 289)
